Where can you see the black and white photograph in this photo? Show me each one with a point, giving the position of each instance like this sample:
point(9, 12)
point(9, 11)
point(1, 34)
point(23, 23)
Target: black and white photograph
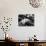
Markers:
point(26, 19)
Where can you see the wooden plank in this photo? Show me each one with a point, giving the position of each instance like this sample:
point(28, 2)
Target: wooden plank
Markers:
point(25, 44)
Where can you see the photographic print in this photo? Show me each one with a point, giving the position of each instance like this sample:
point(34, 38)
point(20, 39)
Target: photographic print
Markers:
point(26, 19)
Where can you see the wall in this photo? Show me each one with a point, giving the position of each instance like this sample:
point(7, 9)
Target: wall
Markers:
point(11, 8)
